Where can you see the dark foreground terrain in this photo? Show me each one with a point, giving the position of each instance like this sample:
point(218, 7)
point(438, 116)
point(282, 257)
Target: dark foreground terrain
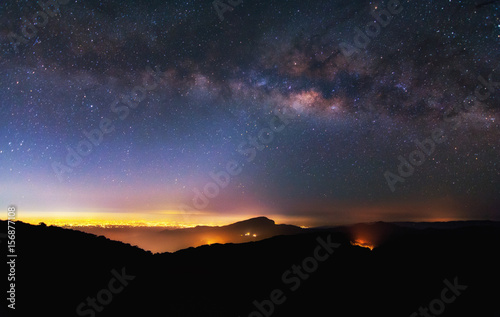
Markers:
point(413, 271)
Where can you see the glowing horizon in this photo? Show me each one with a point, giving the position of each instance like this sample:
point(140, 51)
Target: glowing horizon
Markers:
point(141, 219)
point(175, 219)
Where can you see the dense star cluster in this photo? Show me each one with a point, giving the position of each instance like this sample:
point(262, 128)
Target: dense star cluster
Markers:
point(331, 111)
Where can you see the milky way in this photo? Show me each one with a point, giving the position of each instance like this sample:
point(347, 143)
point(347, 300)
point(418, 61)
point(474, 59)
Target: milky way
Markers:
point(333, 111)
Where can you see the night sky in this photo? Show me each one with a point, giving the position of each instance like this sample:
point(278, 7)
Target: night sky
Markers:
point(190, 112)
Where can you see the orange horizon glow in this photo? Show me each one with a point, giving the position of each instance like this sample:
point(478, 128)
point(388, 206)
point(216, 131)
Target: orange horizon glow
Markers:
point(140, 220)
point(129, 219)
point(172, 218)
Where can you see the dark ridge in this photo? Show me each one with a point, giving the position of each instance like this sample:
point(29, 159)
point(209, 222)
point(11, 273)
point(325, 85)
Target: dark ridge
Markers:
point(58, 269)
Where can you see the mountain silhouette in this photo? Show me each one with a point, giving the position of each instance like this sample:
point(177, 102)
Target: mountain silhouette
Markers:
point(261, 226)
point(172, 240)
point(253, 229)
point(317, 272)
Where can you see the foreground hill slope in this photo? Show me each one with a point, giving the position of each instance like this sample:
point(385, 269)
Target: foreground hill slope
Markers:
point(59, 271)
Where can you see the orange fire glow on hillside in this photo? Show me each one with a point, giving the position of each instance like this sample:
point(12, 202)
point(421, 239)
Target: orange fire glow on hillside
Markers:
point(363, 244)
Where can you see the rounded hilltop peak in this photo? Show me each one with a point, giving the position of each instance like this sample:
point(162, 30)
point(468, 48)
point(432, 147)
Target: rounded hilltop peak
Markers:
point(262, 220)
point(257, 221)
